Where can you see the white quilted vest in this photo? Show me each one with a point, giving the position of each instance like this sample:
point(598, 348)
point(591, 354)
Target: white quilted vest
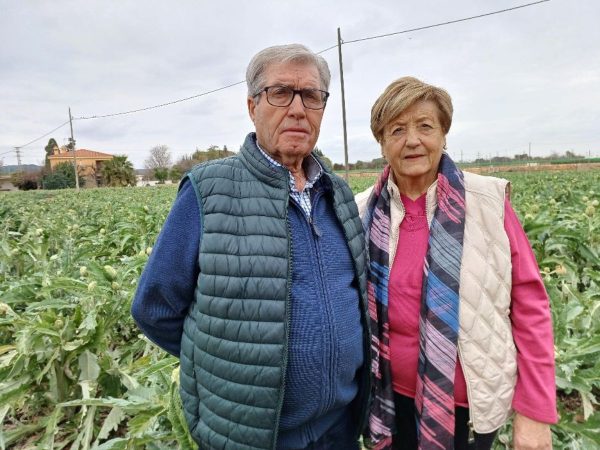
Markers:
point(486, 348)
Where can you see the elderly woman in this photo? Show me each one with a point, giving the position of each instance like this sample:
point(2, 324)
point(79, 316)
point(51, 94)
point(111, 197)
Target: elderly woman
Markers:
point(462, 332)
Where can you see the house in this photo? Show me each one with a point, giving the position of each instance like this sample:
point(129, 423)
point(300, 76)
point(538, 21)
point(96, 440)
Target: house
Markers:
point(89, 163)
point(6, 183)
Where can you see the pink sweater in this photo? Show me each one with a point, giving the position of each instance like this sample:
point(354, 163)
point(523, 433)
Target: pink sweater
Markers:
point(535, 392)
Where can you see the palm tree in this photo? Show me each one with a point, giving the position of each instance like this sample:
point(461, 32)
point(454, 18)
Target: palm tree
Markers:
point(118, 172)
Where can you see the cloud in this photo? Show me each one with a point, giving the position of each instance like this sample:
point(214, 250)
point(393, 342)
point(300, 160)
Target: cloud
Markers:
point(529, 75)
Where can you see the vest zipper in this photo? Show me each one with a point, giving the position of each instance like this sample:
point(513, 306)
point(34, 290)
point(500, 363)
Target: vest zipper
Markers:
point(471, 438)
point(286, 326)
point(365, 389)
point(330, 343)
point(469, 396)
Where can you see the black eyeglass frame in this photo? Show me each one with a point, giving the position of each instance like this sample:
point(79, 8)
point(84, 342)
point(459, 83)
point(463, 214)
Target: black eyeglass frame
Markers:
point(295, 92)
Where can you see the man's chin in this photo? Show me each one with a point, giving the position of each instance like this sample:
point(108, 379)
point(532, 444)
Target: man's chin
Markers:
point(296, 147)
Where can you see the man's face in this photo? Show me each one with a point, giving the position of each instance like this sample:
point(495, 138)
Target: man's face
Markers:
point(287, 133)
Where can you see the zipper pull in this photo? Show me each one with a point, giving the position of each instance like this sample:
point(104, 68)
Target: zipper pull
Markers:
point(471, 439)
point(314, 227)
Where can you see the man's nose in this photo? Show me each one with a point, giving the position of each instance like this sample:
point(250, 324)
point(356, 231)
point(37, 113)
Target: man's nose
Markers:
point(296, 108)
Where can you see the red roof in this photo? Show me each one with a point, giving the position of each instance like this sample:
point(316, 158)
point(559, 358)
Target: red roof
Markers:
point(83, 153)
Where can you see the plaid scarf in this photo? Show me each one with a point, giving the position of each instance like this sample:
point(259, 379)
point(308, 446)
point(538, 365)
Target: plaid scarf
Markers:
point(438, 324)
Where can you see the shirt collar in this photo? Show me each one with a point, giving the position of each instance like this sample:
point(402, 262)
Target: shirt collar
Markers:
point(312, 169)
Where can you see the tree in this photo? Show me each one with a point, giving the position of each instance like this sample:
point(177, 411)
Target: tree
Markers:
point(160, 158)
point(360, 165)
point(186, 162)
point(175, 174)
point(569, 154)
point(118, 172)
point(212, 152)
point(62, 176)
point(161, 174)
point(50, 147)
point(26, 181)
point(49, 151)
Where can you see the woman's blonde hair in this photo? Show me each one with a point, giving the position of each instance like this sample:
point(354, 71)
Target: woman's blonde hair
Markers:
point(403, 93)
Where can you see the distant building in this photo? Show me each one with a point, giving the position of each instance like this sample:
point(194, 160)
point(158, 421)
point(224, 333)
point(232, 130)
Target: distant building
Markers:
point(89, 163)
point(143, 180)
point(6, 184)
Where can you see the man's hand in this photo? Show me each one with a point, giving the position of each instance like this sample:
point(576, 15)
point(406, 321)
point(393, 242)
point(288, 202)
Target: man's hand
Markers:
point(529, 434)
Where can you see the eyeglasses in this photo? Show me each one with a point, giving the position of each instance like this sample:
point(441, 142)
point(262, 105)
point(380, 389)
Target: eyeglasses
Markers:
point(284, 96)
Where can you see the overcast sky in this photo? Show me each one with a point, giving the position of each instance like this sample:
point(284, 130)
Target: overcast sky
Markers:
point(525, 77)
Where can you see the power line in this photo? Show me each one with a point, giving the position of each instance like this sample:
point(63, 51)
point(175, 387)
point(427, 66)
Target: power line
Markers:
point(322, 51)
point(178, 100)
point(327, 49)
point(445, 23)
point(43, 136)
point(159, 106)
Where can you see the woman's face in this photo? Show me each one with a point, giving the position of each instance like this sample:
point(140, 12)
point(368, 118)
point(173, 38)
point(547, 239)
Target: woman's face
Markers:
point(413, 144)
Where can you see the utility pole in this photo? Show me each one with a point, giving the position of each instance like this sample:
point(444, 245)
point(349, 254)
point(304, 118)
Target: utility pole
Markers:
point(530, 150)
point(72, 144)
point(346, 176)
point(18, 150)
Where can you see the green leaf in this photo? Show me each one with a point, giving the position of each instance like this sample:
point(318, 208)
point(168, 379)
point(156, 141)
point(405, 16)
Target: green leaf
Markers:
point(89, 321)
point(88, 366)
point(111, 423)
point(160, 365)
point(51, 428)
point(73, 345)
point(583, 348)
point(3, 410)
point(178, 421)
point(573, 311)
point(114, 444)
point(590, 430)
point(12, 389)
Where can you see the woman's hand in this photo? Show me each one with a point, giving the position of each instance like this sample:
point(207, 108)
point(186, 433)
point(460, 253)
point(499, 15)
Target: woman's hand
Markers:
point(528, 434)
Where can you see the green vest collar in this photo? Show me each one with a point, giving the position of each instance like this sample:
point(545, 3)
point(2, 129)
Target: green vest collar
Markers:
point(258, 165)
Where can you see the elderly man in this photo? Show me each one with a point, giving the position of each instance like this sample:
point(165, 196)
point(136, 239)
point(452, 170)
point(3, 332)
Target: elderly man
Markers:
point(257, 279)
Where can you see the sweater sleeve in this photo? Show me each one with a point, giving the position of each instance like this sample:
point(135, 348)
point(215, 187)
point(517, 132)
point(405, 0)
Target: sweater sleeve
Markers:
point(166, 288)
point(535, 390)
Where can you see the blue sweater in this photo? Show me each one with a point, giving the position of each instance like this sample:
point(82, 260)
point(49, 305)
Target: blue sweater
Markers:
point(325, 348)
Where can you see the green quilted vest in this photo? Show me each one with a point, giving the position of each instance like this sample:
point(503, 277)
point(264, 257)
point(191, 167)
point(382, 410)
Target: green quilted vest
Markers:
point(234, 344)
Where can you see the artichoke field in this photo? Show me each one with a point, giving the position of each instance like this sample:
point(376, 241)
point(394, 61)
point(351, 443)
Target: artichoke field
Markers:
point(75, 372)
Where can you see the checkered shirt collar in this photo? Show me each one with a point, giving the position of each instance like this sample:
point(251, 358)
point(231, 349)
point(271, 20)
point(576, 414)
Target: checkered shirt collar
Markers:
point(312, 169)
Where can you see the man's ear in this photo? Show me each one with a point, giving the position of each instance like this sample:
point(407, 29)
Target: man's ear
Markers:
point(251, 108)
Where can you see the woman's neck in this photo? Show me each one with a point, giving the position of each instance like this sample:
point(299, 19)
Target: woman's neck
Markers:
point(413, 187)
